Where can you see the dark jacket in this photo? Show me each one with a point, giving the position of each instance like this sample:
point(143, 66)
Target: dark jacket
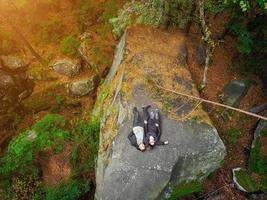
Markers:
point(133, 140)
point(152, 130)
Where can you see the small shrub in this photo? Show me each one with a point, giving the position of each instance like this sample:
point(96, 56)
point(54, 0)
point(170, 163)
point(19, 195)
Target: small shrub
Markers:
point(19, 168)
point(234, 135)
point(65, 191)
point(85, 152)
point(69, 46)
point(110, 9)
point(256, 162)
point(142, 12)
point(47, 132)
point(245, 180)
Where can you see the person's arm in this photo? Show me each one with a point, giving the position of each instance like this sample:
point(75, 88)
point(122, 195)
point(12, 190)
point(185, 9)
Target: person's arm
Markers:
point(133, 140)
point(146, 117)
point(158, 132)
point(162, 143)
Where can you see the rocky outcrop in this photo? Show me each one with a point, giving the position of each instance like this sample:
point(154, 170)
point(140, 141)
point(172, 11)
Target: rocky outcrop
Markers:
point(67, 67)
point(146, 57)
point(234, 91)
point(83, 86)
point(12, 62)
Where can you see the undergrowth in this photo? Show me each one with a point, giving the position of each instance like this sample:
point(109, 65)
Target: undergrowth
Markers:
point(20, 169)
point(69, 46)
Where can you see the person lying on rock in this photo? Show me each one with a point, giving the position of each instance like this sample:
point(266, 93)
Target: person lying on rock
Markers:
point(152, 127)
point(137, 135)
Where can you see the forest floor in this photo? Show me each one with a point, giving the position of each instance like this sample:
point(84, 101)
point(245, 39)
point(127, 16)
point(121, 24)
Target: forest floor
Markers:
point(221, 71)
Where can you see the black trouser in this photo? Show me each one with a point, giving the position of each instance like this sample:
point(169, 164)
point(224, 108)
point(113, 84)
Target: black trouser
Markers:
point(137, 121)
point(153, 117)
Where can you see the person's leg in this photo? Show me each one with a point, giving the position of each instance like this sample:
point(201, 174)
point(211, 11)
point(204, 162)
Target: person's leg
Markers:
point(146, 113)
point(137, 118)
point(156, 117)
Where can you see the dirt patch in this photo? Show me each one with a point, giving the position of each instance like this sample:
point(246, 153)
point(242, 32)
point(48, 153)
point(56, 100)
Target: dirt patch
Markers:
point(57, 167)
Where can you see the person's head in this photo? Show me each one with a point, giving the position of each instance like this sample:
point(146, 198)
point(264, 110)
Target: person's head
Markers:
point(142, 147)
point(151, 140)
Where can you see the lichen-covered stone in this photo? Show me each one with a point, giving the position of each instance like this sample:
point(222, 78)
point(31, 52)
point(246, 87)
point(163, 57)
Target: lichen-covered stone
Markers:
point(67, 67)
point(145, 57)
point(234, 91)
point(83, 86)
point(12, 62)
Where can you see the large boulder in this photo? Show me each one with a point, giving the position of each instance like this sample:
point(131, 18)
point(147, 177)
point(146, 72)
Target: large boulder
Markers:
point(83, 86)
point(12, 62)
point(234, 91)
point(146, 57)
point(67, 67)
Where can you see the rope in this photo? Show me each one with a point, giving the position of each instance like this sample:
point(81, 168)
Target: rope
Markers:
point(211, 102)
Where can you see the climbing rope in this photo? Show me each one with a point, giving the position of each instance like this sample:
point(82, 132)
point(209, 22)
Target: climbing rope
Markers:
point(210, 102)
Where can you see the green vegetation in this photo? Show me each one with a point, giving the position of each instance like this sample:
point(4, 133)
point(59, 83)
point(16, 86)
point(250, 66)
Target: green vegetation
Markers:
point(245, 180)
point(110, 10)
point(257, 163)
point(185, 189)
point(20, 170)
point(86, 135)
point(234, 135)
point(69, 46)
point(69, 191)
point(247, 24)
point(49, 132)
point(148, 12)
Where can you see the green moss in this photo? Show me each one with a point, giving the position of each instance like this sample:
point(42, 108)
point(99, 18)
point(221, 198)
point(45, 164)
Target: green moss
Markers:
point(85, 153)
point(110, 10)
point(69, 46)
point(47, 132)
point(256, 161)
point(186, 189)
point(245, 180)
point(234, 135)
point(148, 12)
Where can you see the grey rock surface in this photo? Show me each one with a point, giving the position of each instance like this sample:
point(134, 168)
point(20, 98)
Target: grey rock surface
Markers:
point(261, 127)
point(82, 87)
point(234, 91)
point(12, 62)
point(195, 148)
point(67, 67)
